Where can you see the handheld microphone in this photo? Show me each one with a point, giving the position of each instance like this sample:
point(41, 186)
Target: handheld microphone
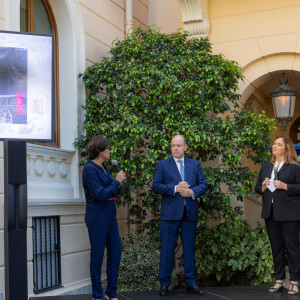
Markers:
point(115, 163)
point(275, 173)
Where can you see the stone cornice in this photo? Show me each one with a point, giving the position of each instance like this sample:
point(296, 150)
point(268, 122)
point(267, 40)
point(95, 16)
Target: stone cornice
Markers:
point(55, 207)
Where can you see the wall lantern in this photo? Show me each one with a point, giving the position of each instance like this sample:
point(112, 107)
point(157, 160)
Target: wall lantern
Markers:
point(284, 99)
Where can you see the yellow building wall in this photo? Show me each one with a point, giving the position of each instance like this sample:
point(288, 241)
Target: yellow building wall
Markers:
point(263, 37)
point(248, 30)
point(165, 14)
point(104, 21)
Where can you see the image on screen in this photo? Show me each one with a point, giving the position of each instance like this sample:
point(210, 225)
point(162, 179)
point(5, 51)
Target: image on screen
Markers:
point(26, 86)
point(13, 85)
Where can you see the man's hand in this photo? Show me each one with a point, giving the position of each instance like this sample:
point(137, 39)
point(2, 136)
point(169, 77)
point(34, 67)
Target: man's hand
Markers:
point(185, 192)
point(182, 185)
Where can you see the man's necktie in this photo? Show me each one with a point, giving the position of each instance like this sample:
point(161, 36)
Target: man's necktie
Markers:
point(181, 169)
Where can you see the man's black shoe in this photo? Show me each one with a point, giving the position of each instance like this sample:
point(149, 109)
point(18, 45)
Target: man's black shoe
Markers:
point(194, 289)
point(164, 290)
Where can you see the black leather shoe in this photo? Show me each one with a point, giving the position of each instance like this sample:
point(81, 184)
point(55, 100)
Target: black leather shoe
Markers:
point(194, 289)
point(164, 290)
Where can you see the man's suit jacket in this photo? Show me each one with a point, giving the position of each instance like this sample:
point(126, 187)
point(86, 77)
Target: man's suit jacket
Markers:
point(166, 176)
point(286, 204)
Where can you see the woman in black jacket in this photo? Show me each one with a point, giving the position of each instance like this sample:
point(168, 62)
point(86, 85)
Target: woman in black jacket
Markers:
point(281, 210)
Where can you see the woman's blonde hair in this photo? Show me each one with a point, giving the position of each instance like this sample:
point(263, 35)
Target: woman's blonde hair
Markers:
point(291, 155)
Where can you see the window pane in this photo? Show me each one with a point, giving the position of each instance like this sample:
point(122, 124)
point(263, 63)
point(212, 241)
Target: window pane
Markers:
point(41, 19)
point(24, 16)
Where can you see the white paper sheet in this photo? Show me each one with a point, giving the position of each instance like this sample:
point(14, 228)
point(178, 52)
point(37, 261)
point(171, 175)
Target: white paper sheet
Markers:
point(271, 186)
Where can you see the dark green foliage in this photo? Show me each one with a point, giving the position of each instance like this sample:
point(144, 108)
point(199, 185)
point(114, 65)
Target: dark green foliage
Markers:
point(233, 253)
point(153, 86)
point(140, 264)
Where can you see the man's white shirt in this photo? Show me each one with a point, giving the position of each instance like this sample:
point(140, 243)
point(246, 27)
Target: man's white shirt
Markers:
point(178, 167)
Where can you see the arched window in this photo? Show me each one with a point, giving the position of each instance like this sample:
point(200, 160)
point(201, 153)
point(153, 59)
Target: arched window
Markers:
point(36, 16)
point(295, 131)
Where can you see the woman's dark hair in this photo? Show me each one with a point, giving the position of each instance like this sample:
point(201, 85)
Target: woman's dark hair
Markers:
point(96, 145)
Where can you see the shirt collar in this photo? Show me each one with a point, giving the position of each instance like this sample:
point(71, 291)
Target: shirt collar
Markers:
point(279, 165)
point(177, 159)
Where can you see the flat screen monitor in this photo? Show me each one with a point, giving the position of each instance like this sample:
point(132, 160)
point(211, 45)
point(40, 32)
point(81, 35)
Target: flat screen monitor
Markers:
point(26, 86)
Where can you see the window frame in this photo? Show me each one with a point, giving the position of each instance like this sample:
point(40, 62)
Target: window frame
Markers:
point(294, 130)
point(30, 26)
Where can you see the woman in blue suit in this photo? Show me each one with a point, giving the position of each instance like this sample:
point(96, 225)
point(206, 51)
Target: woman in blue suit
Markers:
point(101, 191)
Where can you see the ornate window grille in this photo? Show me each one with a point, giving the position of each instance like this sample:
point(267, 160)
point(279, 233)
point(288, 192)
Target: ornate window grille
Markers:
point(46, 253)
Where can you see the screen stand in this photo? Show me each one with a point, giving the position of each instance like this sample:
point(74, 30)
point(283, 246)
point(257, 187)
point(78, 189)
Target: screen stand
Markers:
point(15, 220)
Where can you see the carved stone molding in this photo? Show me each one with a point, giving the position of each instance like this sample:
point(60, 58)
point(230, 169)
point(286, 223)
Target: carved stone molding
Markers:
point(64, 168)
point(39, 166)
point(49, 173)
point(193, 20)
point(191, 11)
point(51, 167)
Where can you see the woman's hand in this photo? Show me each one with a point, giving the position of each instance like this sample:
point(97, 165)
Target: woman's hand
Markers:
point(121, 177)
point(280, 185)
point(265, 183)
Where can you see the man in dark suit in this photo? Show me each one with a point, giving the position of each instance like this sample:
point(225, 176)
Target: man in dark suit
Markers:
point(180, 181)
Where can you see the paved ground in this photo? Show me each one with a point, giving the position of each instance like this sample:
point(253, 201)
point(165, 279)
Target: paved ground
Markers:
point(211, 293)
